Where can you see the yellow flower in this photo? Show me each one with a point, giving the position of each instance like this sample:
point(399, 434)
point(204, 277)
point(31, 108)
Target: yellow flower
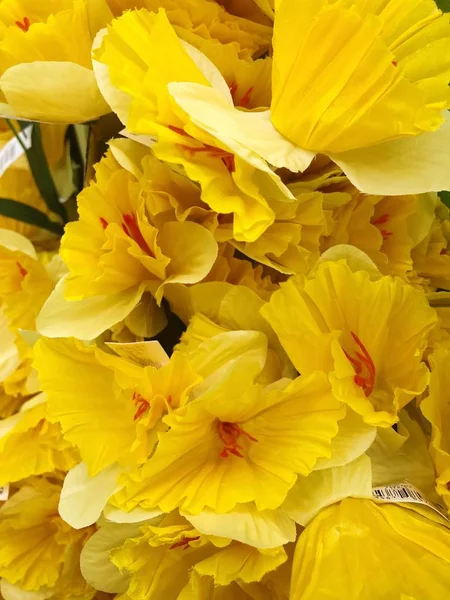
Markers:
point(224, 309)
point(30, 445)
point(407, 546)
point(369, 335)
point(121, 248)
point(38, 551)
point(136, 80)
point(435, 408)
point(167, 557)
point(207, 20)
point(236, 443)
point(25, 283)
point(362, 100)
point(110, 406)
point(431, 256)
point(379, 226)
point(50, 44)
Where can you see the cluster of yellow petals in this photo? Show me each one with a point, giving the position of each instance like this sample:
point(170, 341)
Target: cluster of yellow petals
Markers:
point(229, 378)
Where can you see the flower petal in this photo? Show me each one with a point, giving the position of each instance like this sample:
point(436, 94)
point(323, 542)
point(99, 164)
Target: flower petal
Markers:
point(251, 135)
point(87, 318)
point(260, 529)
point(83, 498)
point(67, 92)
point(412, 165)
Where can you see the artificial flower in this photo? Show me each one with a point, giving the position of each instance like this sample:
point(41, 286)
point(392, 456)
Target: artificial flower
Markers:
point(376, 61)
point(404, 544)
point(30, 445)
point(39, 552)
point(369, 335)
point(131, 251)
point(207, 20)
point(434, 407)
point(56, 53)
point(233, 180)
point(114, 398)
point(237, 442)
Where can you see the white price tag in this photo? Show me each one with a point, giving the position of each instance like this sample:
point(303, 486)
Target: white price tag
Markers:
point(13, 149)
point(4, 492)
point(405, 492)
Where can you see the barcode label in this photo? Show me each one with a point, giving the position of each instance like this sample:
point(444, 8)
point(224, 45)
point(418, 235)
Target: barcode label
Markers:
point(405, 492)
point(13, 149)
point(4, 492)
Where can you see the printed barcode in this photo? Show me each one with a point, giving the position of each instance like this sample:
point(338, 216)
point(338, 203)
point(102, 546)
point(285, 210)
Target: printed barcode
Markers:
point(398, 493)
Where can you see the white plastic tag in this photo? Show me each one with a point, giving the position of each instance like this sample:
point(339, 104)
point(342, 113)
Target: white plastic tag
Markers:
point(405, 492)
point(4, 492)
point(13, 150)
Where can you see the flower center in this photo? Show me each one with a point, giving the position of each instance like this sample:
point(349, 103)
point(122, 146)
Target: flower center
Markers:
point(184, 543)
point(226, 157)
point(381, 221)
point(363, 365)
point(229, 433)
point(141, 404)
point(24, 25)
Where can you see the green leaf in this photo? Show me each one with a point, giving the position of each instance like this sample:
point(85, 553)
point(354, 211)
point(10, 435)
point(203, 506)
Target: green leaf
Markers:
point(444, 5)
point(28, 214)
point(40, 169)
point(445, 198)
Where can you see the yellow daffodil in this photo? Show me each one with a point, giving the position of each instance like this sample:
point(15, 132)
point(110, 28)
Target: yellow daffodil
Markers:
point(407, 546)
point(30, 445)
point(379, 226)
point(224, 309)
point(25, 283)
point(110, 406)
point(435, 407)
point(136, 80)
point(207, 20)
point(236, 442)
point(431, 257)
point(369, 335)
point(39, 552)
point(363, 100)
point(123, 251)
point(170, 557)
point(51, 44)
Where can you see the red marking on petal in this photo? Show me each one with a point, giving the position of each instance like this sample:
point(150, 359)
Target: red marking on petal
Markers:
point(226, 157)
point(142, 405)
point(443, 252)
point(178, 130)
point(104, 222)
point(24, 25)
point(245, 100)
point(364, 367)
point(380, 220)
point(22, 271)
point(395, 63)
point(184, 543)
point(131, 228)
point(229, 433)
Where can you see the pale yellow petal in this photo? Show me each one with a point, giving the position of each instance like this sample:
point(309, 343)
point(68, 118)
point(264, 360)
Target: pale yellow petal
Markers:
point(83, 498)
point(322, 488)
point(67, 92)
point(411, 165)
point(261, 529)
point(85, 319)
